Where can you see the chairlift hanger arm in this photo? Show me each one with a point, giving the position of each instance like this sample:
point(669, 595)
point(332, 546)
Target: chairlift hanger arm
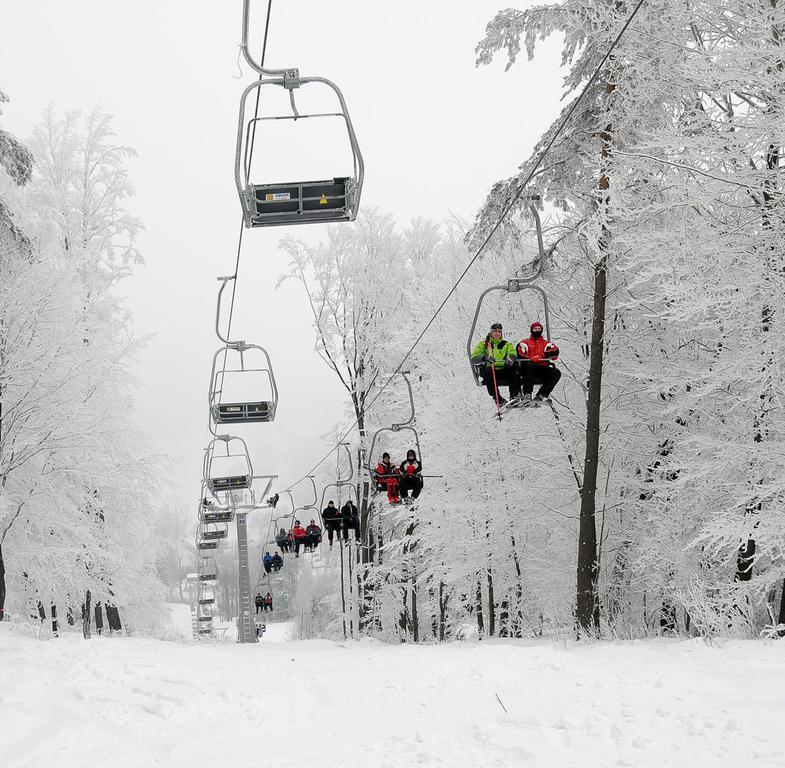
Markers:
point(398, 425)
point(245, 49)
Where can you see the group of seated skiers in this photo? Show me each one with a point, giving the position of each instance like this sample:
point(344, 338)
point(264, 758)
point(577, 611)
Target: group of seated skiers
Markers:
point(532, 361)
point(345, 519)
point(272, 562)
point(399, 481)
point(335, 521)
point(308, 538)
point(263, 603)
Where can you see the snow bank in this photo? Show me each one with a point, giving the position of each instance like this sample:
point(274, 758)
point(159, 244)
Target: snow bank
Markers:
point(142, 702)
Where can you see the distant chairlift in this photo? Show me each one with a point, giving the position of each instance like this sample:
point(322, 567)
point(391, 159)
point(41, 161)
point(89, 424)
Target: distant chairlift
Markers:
point(341, 483)
point(212, 512)
point(232, 450)
point(206, 569)
point(240, 359)
point(298, 202)
point(209, 535)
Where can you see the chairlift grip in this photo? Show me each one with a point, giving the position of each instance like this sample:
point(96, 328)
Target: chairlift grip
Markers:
point(246, 51)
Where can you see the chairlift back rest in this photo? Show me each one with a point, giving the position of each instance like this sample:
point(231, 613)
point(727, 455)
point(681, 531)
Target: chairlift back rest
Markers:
point(236, 482)
point(302, 202)
point(238, 413)
point(225, 516)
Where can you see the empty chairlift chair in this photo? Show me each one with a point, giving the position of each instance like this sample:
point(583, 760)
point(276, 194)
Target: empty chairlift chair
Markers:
point(227, 465)
point(292, 202)
point(209, 535)
point(226, 409)
point(242, 382)
point(207, 570)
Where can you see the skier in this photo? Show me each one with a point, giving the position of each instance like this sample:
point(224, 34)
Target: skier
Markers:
point(277, 562)
point(495, 360)
point(332, 520)
point(268, 602)
point(282, 540)
point(298, 535)
point(411, 469)
point(258, 601)
point(351, 520)
point(537, 360)
point(267, 562)
point(313, 536)
point(273, 501)
point(387, 476)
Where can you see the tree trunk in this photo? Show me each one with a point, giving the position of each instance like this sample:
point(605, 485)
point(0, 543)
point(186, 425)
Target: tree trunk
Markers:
point(443, 611)
point(587, 542)
point(2, 584)
point(54, 620)
point(99, 618)
point(781, 617)
point(515, 626)
point(587, 606)
point(415, 620)
point(491, 606)
point(480, 622)
point(86, 616)
point(113, 618)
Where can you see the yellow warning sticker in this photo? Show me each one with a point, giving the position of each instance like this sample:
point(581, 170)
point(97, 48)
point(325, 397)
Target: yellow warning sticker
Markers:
point(271, 197)
point(323, 200)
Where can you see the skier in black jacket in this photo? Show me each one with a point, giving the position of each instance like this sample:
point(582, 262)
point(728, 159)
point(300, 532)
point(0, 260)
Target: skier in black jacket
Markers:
point(332, 520)
point(351, 520)
point(411, 476)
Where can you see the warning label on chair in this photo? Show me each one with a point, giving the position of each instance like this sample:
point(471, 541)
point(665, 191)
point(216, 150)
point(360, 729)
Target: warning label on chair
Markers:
point(271, 197)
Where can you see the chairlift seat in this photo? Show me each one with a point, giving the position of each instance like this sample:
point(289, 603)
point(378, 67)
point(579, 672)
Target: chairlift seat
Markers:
point(205, 618)
point(206, 600)
point(303, 202)
point(232, 483)
point(207, 544)
point(221, 533)
point(210, 576)
point(241, 413)
point(206, 631)
point(225, 516)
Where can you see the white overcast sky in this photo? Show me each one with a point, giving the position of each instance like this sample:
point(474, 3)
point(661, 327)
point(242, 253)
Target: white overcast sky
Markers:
point(435, 132)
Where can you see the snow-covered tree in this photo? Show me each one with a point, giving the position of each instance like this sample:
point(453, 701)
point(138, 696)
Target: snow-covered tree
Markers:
point(74, 495)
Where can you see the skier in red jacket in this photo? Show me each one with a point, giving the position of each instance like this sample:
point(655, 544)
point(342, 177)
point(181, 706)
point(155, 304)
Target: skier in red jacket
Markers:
point(299, 535)
point(387, 476)
point(537, 358)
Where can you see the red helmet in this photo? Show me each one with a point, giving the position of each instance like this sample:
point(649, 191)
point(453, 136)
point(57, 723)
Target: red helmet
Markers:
point(536, 324)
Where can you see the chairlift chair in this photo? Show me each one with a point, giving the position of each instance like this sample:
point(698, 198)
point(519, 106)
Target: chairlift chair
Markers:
point(403, 426)
point(207, 569)
point(206, 595)
point(227, 447)
point(514, 284)
point(296, 202)
point(209, 535)
point(254, 362)
point(212, 531)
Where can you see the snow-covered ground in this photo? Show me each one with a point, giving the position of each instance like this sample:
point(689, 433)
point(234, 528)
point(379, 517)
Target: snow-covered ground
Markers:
point(142, 702)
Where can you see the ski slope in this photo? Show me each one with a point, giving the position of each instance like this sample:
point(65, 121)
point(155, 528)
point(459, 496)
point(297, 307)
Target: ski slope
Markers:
point(125, 702)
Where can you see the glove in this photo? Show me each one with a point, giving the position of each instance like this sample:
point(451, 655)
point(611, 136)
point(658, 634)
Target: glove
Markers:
point(509, 362)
